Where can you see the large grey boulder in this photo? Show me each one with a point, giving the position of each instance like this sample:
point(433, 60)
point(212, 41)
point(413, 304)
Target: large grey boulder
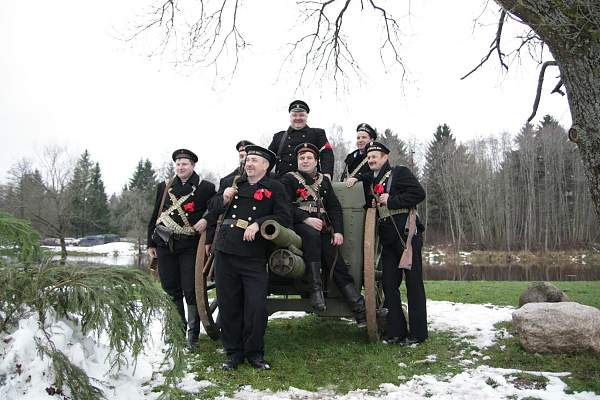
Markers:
point(565, 327)
point(542, 292)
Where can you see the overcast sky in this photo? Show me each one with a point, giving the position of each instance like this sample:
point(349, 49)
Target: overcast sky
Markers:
point(67, 78)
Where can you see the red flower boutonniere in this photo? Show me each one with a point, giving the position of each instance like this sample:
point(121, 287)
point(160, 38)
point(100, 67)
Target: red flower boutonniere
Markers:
point(378, 188)
point(189, 207)
point(261, 193)
point(302, 193)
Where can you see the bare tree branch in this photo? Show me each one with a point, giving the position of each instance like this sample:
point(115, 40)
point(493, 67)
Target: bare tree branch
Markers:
point(495, 45)
point(557, 88)
point(538, 94)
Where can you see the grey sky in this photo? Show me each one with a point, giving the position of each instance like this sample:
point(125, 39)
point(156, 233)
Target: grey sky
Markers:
point(65, 78)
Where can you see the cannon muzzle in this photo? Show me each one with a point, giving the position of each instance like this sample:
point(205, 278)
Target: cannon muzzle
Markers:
point(279, 235)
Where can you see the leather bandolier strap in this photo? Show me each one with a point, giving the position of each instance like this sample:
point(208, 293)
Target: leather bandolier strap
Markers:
point(165, 216)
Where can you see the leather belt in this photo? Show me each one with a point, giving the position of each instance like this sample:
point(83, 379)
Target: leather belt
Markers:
point(385, 213)
point(311, 208)
point(183, 236)
point(239, 223)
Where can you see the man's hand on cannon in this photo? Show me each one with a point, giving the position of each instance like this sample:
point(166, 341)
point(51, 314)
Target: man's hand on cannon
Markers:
point(316, 223)
point(250, 232)
point(337, 239)
point(350, 182)
point(228, 194)
point(200, 226)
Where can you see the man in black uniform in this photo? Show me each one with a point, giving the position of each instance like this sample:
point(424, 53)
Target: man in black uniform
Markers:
point(210, 230)
point(241, 256)
point(395, 190)
point(356, 162)
point(173, 234)
point(284, 142)
point(317, 217)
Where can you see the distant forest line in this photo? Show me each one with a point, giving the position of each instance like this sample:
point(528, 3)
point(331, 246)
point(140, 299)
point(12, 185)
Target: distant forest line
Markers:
point(525, 191)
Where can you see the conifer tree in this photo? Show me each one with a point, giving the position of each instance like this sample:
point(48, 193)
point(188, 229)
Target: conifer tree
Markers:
point(436, 213)
point(89, 202)
point(79, 189)
point(98, 202)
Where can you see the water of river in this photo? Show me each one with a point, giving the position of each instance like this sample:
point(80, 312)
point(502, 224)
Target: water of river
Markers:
point(468, 272)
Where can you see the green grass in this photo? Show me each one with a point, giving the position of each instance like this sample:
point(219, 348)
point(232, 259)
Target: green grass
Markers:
point(312, 353)
point(505, 293)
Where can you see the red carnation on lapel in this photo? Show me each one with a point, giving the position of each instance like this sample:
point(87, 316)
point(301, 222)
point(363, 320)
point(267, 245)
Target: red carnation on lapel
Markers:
point(378, 188)
point(260, 193)
point(302, 193)
point(189, 207)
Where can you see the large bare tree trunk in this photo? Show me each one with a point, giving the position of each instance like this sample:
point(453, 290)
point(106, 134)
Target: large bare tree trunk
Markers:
point(570, 30)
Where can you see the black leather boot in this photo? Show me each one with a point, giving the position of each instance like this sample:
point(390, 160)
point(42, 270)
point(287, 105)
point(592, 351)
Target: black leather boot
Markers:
point(356, 302)
point(193, 321)
point(317, 300)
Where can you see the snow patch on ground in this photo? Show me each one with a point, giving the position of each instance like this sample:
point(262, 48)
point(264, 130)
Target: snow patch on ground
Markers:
point(482, 383)
point(24, 374)
point(474, 322)
point(111, 249)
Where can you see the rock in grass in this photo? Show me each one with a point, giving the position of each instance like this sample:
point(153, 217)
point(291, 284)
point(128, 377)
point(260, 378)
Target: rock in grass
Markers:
point(565, 327)
point(542, 292)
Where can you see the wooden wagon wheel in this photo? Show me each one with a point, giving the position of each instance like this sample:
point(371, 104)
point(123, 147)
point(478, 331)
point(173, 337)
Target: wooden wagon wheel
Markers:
point(206, 293)
point(373, 286)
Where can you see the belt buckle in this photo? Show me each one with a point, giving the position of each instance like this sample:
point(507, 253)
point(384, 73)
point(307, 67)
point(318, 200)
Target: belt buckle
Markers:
point(241, 223)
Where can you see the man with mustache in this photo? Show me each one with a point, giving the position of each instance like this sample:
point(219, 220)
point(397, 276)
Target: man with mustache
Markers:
point(241, 253)
point(317, 216)
point(173, 234)
point(395, 191)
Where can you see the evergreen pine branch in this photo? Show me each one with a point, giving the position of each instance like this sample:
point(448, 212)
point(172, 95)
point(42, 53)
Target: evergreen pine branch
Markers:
point(18, 232)
point(120, 302)
point(65, 372)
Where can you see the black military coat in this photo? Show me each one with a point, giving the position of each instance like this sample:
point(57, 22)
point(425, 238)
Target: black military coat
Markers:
point(193, 208)
point(297, 194)
point(253, 203)
point(405, 192)
point(287, 160)
point(352, 161)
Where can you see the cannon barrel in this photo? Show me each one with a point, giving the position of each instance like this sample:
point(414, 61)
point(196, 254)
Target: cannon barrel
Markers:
point(279, 235)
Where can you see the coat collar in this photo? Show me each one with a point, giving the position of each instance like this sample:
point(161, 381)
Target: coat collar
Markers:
point(292, 130)
point(307, 177)
point(265, 181)
point(386, 167)
point(193, 180)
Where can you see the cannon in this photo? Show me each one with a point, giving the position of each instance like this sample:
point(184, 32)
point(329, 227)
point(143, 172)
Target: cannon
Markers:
point(286, 260)
point(287, 286)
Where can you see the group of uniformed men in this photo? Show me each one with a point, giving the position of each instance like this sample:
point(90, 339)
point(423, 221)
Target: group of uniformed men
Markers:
point(289, 182)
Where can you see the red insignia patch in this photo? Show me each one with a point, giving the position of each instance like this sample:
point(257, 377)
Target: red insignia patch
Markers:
point(261, 193)
point(189, 207)
point(302, 193)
